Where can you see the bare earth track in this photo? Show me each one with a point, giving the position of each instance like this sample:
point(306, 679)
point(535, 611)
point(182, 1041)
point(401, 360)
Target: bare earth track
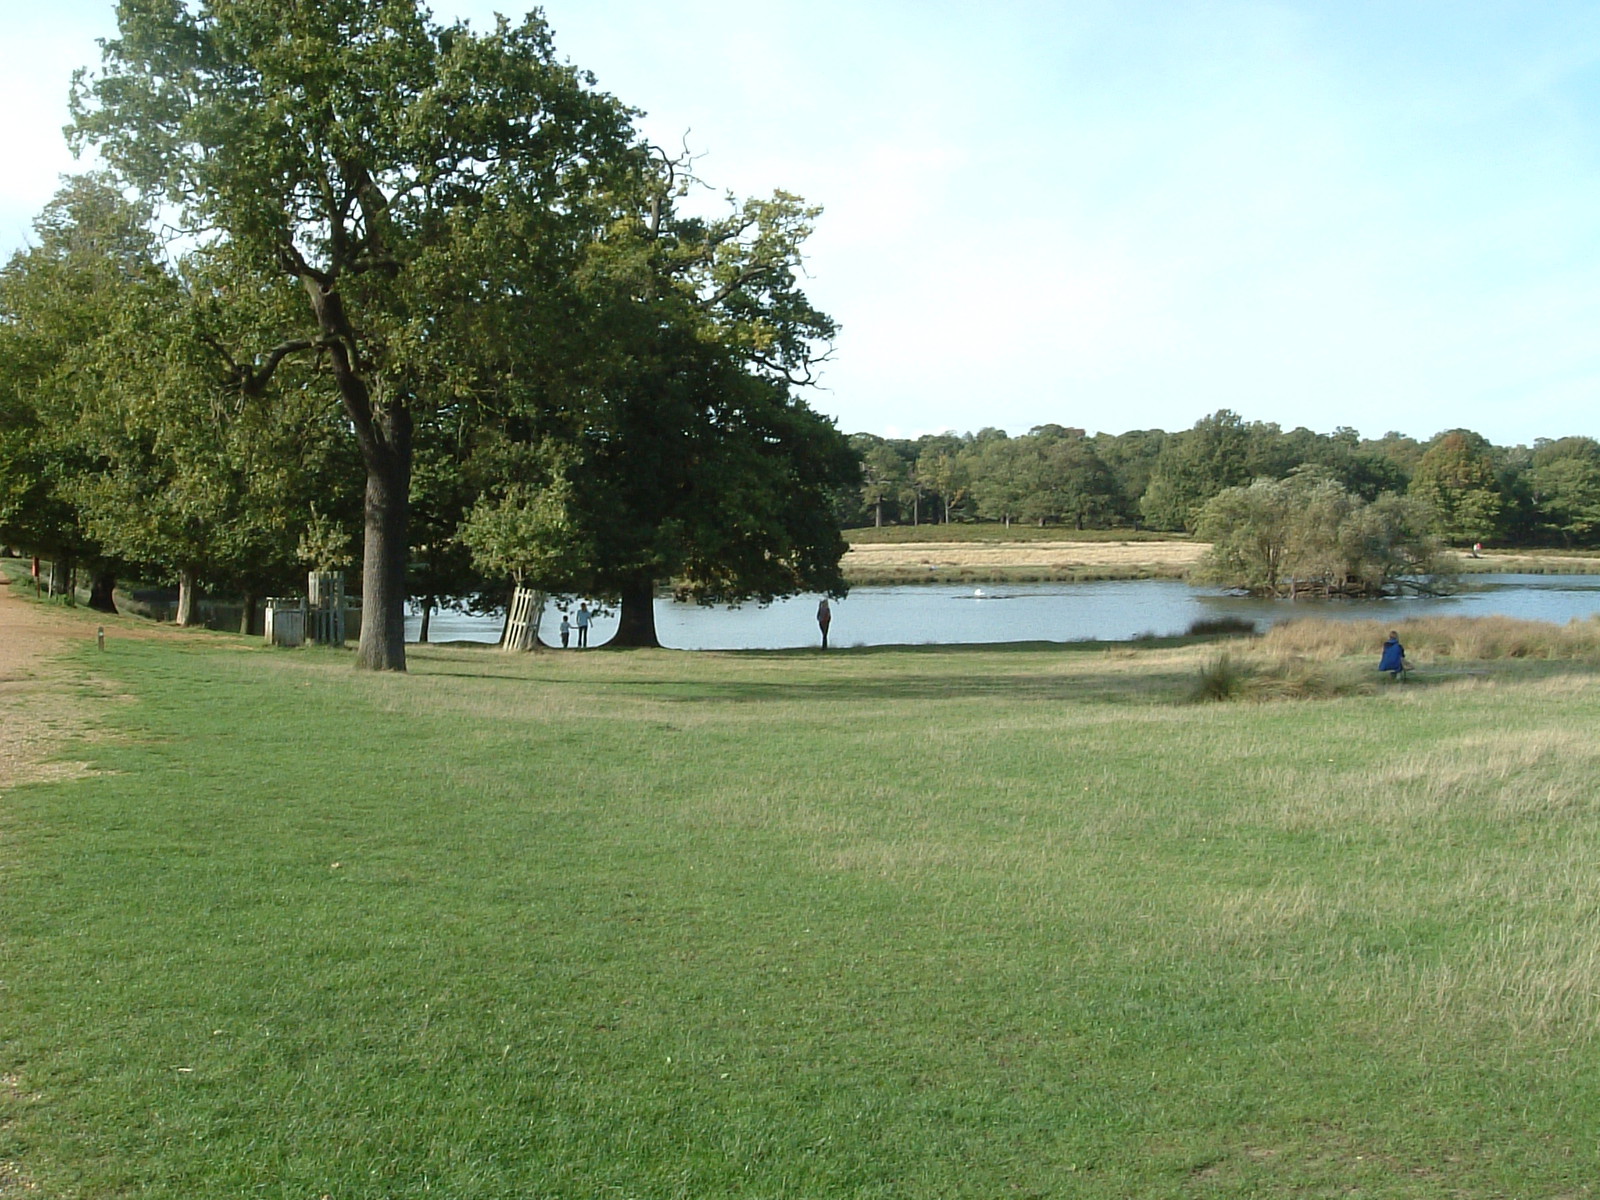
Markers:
point(37, 712)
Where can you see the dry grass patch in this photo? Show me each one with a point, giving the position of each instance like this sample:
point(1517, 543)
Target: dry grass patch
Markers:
point(1046, 559)
point(1429, 639)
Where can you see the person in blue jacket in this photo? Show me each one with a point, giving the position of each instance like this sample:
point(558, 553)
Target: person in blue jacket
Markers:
point(1394, 657)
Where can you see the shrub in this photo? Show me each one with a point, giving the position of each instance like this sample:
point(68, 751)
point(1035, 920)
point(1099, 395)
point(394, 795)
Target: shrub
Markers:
point(1221, 626)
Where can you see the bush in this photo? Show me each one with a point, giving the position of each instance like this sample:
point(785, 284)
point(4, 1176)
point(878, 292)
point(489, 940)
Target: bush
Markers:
point(1221, 627)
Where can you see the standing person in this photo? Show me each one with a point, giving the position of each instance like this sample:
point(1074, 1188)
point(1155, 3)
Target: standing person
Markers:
point(566, 630)
point(1394, 657)
point(824, 619)
point(583, 626)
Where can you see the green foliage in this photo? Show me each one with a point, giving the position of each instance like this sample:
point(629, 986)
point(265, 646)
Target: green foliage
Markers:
point(430, 191)
point(1220, 451)
point(1456, 478)
point(883, 474)
point(56, 300)
point(1565, 478)
point(526, 533)
point(1307, 534)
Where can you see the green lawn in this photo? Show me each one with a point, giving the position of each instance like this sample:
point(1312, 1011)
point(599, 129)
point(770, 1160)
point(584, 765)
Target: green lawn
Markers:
point(986, 922)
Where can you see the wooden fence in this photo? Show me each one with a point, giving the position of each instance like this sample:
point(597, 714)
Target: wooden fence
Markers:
point(522, 621)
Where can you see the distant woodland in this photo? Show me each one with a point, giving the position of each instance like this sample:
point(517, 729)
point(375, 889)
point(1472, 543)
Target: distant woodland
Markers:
point(1467, 489)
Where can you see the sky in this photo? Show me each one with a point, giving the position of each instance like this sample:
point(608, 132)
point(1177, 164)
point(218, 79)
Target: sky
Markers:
point(1112, 214)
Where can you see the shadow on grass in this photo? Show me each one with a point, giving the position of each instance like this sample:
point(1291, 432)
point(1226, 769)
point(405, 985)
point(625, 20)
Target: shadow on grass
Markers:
point(1126, 682)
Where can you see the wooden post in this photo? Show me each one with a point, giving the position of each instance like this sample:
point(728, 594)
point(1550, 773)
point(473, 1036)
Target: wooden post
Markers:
point(325, 591)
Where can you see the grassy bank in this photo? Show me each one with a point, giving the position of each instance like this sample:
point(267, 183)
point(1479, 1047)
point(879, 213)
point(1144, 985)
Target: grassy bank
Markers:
point(990, 532)
point(1018, 554)
point(901, 574)
point(1533, 562)
point(913, 922)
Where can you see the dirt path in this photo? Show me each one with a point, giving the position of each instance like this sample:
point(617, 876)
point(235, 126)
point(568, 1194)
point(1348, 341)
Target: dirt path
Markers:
point(37, 712)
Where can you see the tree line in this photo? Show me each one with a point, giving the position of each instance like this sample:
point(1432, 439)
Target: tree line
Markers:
point(358, 288)
point(1468, 490)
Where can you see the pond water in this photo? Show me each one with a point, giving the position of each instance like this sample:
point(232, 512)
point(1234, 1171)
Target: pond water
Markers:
point(1052, 612)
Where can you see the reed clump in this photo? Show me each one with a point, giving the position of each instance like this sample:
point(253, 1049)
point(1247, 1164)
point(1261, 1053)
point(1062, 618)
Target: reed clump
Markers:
point(1269, 677)
point(1433, 638)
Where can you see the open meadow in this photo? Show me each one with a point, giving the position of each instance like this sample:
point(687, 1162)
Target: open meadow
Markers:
point(996, 921)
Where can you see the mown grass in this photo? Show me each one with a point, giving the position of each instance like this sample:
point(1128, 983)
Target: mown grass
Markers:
point(974, 921)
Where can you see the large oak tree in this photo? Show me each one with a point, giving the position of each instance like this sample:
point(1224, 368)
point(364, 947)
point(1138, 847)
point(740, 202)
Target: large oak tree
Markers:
point(426, 187)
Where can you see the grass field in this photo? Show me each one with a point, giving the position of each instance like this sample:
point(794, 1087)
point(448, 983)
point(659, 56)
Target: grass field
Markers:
point(931, 922)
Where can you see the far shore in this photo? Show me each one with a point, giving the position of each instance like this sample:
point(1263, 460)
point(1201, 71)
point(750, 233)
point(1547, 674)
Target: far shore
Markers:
point(1069, 561)
point(936, 562)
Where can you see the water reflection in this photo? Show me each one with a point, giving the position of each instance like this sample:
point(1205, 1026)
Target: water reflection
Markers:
point(1111, 610)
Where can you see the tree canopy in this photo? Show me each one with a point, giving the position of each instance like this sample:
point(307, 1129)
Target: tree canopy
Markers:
point(1307, 534)
point(427, 189)
point(456, 231)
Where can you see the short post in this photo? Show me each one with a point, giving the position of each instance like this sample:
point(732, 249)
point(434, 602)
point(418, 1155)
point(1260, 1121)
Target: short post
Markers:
point(325, 595)
point(100, 636)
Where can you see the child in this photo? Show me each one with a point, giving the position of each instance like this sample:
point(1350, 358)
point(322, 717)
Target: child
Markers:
point(1394, 657)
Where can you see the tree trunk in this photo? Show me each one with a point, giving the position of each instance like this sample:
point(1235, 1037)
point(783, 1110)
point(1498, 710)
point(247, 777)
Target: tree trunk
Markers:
point(383, 569)
point(186, 605)
point(382, 424)
point(638, 624)
point(102, 587)
point(247, 613)
point(878, 510)
point(427, 617)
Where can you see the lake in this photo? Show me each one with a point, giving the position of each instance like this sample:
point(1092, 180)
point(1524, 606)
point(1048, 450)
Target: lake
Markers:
point(1112, 610)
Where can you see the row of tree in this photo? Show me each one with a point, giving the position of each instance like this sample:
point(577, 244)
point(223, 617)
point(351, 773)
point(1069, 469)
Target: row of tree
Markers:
point(1474, 491)
point(350, 269)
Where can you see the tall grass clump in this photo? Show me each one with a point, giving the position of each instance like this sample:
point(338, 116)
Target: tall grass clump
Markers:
point(1431, 638)
point(1261, 677)
point(1221, 678)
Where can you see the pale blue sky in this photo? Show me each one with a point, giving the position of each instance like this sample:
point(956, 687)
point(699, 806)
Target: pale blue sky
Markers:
point(1119, 214)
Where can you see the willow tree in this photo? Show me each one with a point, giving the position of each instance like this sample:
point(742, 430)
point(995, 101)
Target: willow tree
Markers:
point(1307, 535)
point(426, 187)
